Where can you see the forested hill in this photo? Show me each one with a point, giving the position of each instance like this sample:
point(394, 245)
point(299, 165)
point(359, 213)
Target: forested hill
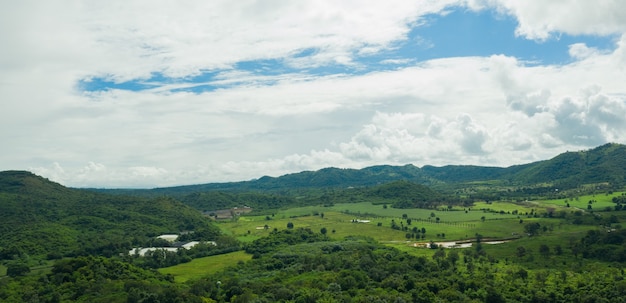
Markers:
point(324, 178)
point(606, 163)
point(39, 217)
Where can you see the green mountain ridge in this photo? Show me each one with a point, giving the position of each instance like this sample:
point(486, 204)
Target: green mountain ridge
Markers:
point(606, 163)
point(603, 164)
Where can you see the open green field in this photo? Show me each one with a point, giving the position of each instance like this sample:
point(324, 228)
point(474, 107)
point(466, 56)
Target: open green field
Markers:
point(495, 220)
point(456, 214)
point(247, 229)
point(559, 238)
point(491, 220)
point(599, 202)
point(200, 267)
point(507, 207)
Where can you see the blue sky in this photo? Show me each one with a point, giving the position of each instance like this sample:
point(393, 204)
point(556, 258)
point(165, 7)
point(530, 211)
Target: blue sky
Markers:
point(138, 93)
point(453, 33)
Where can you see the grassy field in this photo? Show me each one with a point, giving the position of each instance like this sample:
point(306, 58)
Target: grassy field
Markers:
point(599, 202)
point(200, 267)
point(456, 214)
point(247, 229)
point(500, 220)
point(489, 220)
point(558, 238)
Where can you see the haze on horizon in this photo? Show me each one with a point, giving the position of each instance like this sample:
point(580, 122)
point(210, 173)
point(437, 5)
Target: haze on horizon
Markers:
point(155, 93)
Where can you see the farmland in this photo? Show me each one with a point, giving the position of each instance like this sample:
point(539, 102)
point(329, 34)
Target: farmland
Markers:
point(597, 202)
point(497, 220)
point(492, 220)
point(200, 267)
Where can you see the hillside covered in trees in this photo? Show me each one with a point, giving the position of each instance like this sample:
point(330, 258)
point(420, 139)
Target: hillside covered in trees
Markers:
point(309, 268)
point(43, 219)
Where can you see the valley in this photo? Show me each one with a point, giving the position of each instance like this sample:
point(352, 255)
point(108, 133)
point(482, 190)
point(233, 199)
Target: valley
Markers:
point(454, 238)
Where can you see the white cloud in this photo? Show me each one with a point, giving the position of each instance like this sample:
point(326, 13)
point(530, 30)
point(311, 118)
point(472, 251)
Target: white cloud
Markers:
point(235, 134)
point(396, 61)
point(124, 40)
point(581, 51)
point(542, 20)
point(513, 137)
point(465, 110)
point(473, 135)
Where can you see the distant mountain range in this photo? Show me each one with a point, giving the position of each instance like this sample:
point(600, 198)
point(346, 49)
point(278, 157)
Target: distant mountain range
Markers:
point(603, 164)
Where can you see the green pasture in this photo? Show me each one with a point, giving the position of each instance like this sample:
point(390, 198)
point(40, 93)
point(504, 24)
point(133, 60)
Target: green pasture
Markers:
point(200, 267)
point(562, 236)
point(247, 229)
point(338, 221)
point(410, 249)
point(3, 270)
point(558, 233)
point(599, 201)
point(456, 214)
point(490, 220)
point(498, 206)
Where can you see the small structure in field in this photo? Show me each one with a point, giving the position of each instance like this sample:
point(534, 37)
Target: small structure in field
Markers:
point(168, 237)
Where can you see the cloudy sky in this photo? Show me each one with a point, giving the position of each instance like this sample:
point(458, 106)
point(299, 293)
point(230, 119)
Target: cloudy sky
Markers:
point(158, 93)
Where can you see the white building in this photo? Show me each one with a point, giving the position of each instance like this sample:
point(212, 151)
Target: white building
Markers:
point(168, 238)
point(141, 251)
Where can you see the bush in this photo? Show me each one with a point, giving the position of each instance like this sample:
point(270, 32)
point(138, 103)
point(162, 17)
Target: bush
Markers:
point(17, 269)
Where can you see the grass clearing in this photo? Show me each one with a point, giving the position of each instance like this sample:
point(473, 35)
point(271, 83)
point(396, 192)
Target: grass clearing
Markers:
point(200, 267)
point(457, 214)
point(338, 220)
point(491, 220)
point(599, 202)
point(342, 225)
point(506, 207)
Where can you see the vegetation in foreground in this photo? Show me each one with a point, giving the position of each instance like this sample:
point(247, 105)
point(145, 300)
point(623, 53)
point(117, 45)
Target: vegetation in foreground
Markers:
point(312, 269)
point(42, 220)
point(201, 267)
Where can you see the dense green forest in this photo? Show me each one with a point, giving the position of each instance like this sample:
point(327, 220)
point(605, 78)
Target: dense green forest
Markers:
point(44, 220)
point(563, 218)
point(401, 194)
point(360, 270)
point(300, 266)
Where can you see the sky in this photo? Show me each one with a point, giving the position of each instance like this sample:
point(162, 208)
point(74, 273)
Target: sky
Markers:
point(142, 94)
